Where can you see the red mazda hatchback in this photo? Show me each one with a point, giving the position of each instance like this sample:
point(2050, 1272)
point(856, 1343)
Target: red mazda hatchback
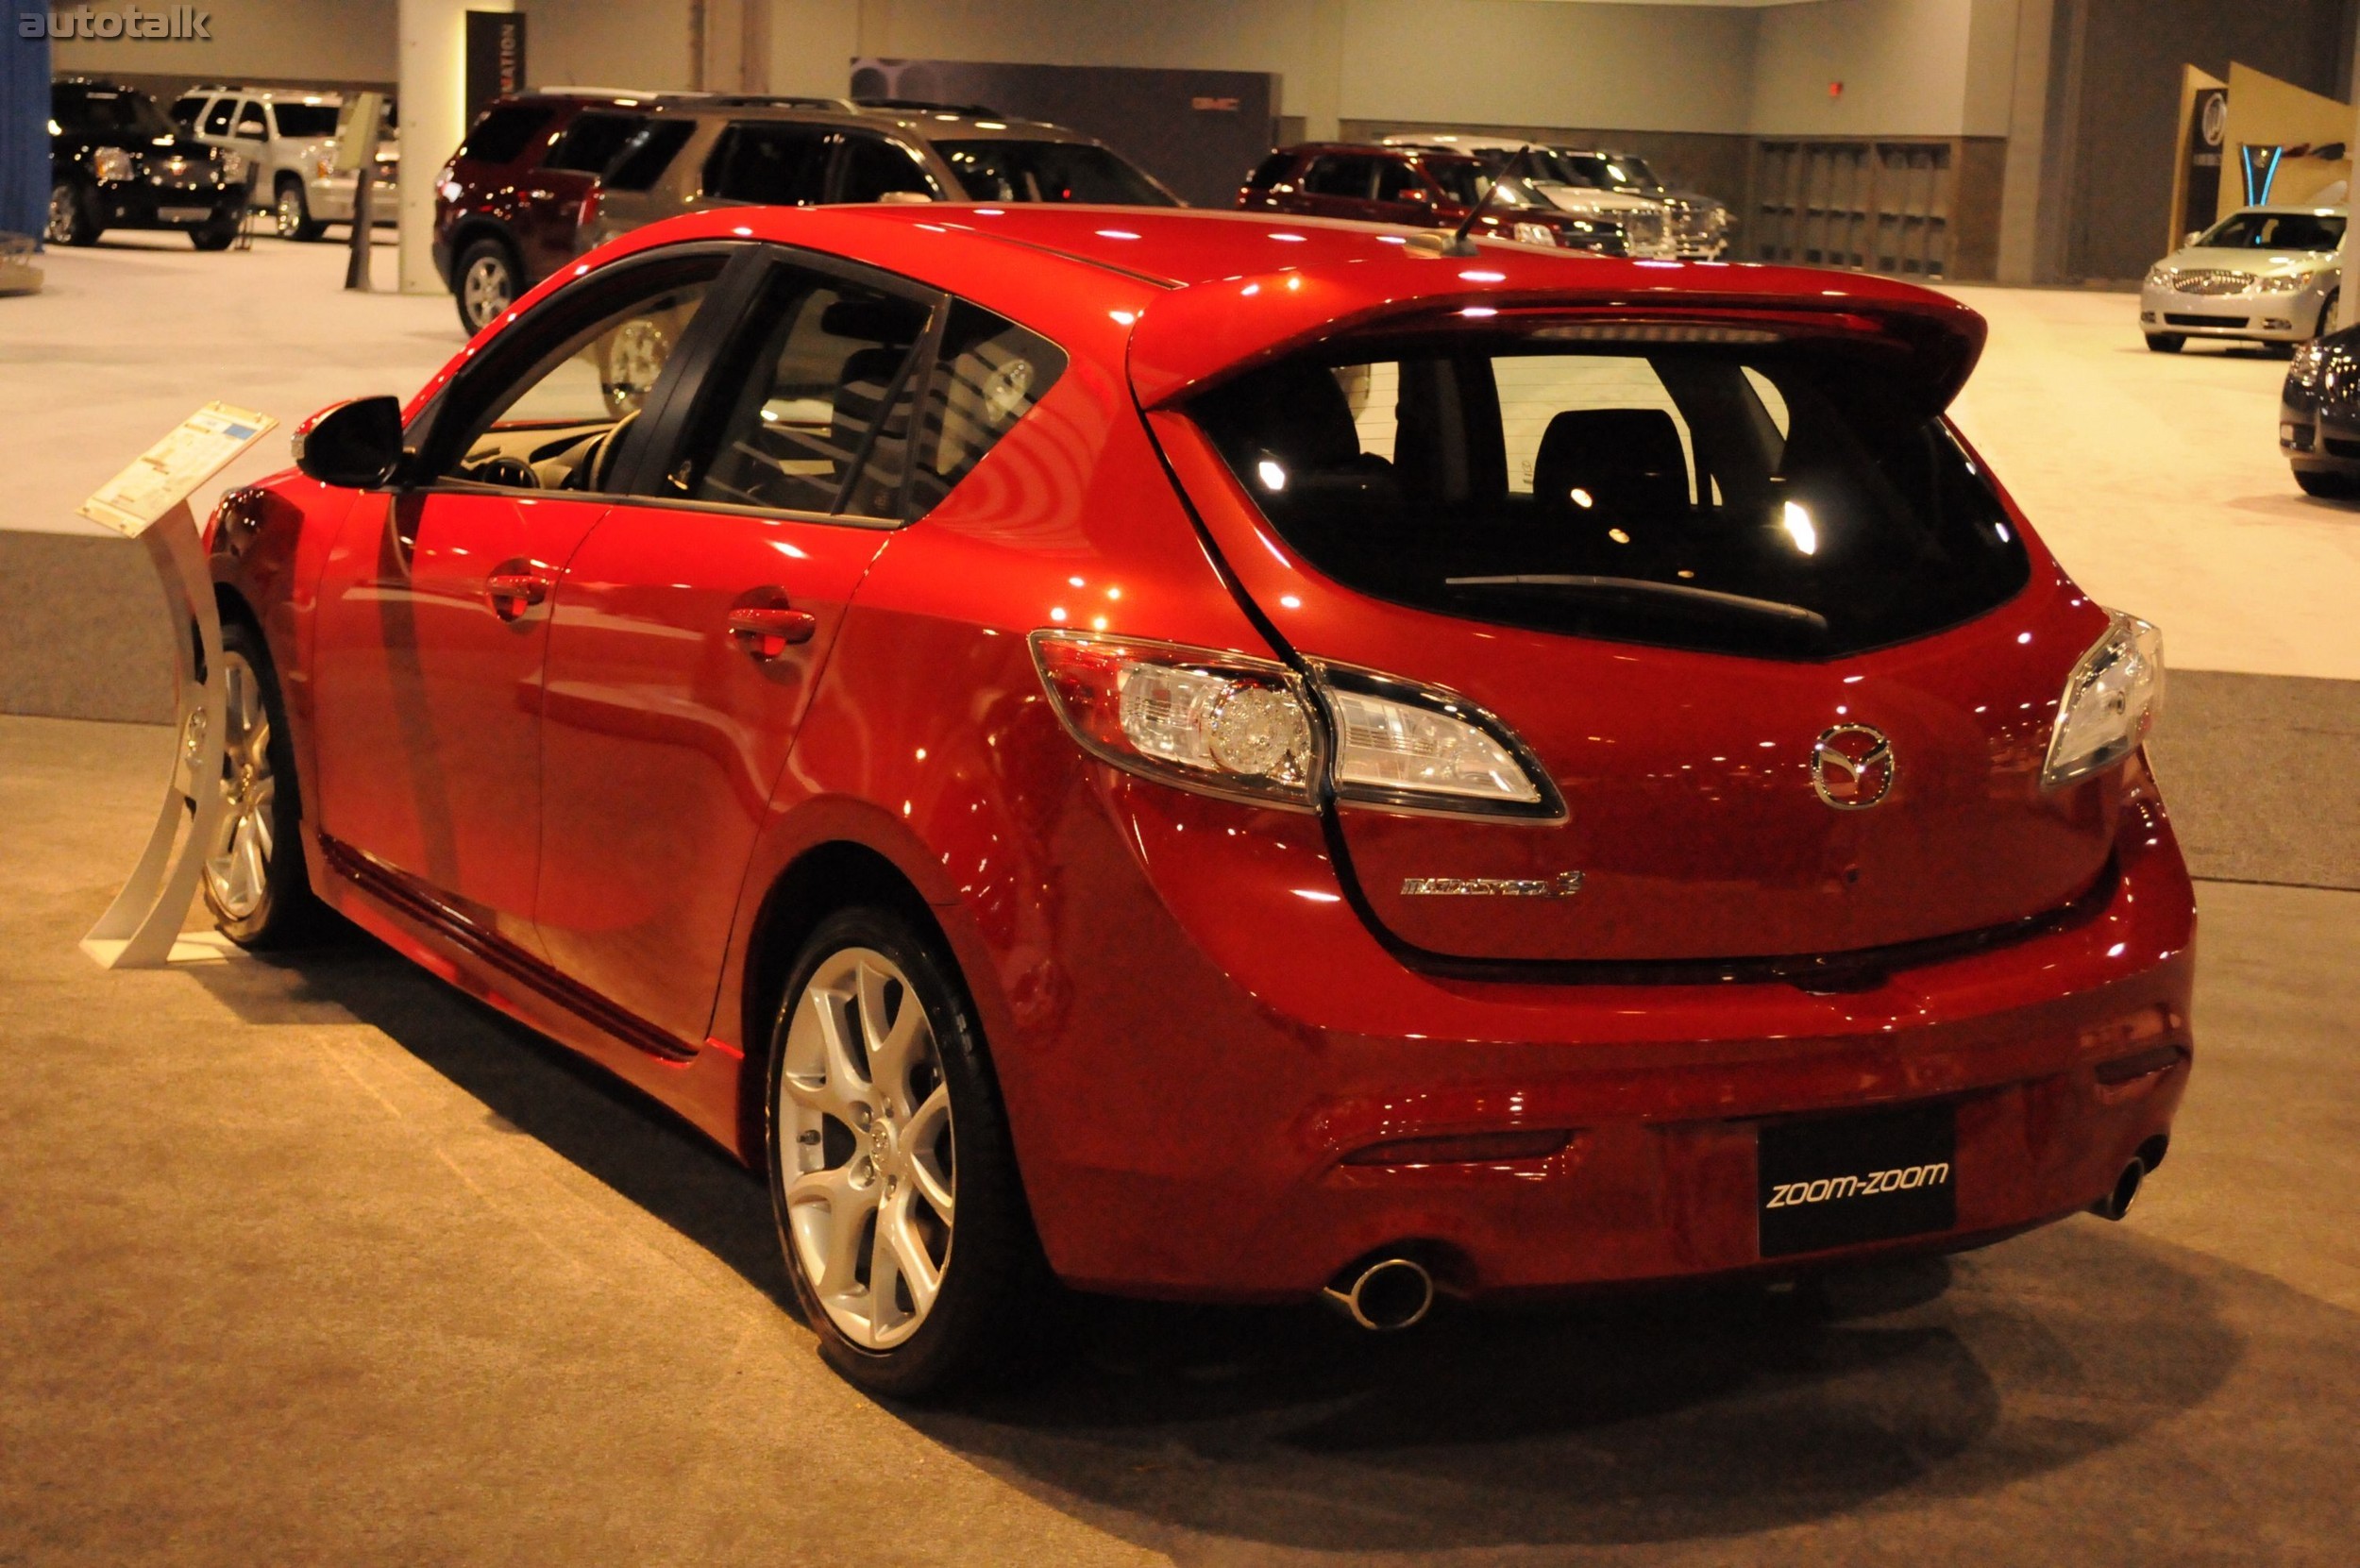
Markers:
point(1201, 756)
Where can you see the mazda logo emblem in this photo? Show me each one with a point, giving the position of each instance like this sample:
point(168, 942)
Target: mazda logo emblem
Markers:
point(1851, 767)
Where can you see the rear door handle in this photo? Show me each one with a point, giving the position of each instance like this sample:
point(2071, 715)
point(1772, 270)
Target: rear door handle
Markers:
point(766, 630)
point(514, 593)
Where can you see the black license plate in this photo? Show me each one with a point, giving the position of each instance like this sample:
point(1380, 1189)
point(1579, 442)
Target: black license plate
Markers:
point(1839, 1181)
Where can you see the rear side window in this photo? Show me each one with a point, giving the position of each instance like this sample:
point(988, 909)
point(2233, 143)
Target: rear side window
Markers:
point(1335, 176)
point(777, 166)
point(1269, 171)
point(874, 168)
point(1778, 500)
point(1395, 180)
point(503, 133)
point(305, 120)
point(988, 375)
point(645, 156)
point(590, 143)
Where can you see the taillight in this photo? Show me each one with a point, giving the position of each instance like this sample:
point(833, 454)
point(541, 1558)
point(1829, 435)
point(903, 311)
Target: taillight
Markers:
point(2111, 703)
point(1229, 724)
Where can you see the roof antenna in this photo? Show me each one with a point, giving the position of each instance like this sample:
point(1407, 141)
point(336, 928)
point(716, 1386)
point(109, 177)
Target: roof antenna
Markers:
point(1458, 245)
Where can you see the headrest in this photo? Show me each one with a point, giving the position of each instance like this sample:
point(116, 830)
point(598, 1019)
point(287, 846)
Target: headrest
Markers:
point(887, 321)
point(1628, 461)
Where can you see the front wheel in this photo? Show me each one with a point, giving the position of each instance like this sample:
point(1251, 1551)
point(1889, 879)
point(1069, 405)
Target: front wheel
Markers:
point(2165, 343)
point(218, 235)
point(254, 878)
point(290, 215)
point(69, 221)
point(891, 1174)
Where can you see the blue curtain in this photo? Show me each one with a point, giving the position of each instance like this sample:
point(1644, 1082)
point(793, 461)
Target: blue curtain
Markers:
point(25, 124)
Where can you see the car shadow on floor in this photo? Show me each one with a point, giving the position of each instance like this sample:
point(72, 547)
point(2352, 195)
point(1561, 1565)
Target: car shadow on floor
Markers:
point(1652, 1417)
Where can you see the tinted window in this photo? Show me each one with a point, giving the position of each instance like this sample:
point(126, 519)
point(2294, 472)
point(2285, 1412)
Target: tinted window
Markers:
point(1395, 180)
point(1048, 171)
point(987, 376)
point(184, 112)
point(505, 132)
point(217, 122)
point(778, 165)
point(558, 424)
point(250, 122)
point(645, 156)
point(874, 166)
point(819, 403)
point(102, 110)
point(1463, 180)
point(1269, 171)
point(1335, 176)
point(305, 120)
point(2276, 231)
point(590, 143)
point(1776, 500)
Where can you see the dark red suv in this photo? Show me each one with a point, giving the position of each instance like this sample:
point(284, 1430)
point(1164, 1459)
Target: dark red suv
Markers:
point(1420, 187)
point(508, 204)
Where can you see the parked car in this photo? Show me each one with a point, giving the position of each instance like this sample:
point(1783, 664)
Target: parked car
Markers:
point(288, 140)
point(116, 163)
point(1646, 223)
point(509, 204)
point(1423, 188)
point(2319, 420)
point(1702, 226)
point(732, 152)
point(1212, 758)
point(2261, 275)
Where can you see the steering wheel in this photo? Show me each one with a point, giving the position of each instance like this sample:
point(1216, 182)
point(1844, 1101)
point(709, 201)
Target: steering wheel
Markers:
point(508, 472)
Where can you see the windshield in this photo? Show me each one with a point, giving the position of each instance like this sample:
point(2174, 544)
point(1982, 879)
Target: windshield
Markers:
point(1771, 501)
point(305, 120)
point(1048, 171)
point(2275, 231)
point(1600, 172)
point(100, 110)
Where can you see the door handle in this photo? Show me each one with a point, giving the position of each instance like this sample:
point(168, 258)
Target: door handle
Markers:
point(766, 630)
point(514, 593)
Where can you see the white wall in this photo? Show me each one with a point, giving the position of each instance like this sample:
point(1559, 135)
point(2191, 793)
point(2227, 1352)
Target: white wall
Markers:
point(320, 40)
point(1903, 64)
point(608, 43)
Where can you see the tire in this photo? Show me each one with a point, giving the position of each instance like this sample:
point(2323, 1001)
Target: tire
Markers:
point(2165, 343)
point(254, 879)
point(2327, 486)
point(485, 283)
point(70, 220)
point(218, 235)
point(854, 1148)
point(290, 214)
point(630, 361)
point(2327, 313)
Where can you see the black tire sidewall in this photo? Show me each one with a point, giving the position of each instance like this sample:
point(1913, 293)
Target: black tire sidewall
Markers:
point(993, 1271)
point(86, 228)
point(289, 909)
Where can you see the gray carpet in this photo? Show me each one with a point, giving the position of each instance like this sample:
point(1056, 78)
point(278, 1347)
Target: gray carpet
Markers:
point(2263, 772)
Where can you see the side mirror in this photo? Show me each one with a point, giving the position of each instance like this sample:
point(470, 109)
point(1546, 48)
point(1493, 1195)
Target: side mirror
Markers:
point(906, 198)
point(1418, 196)
point(2190, 237)
point(354, 445)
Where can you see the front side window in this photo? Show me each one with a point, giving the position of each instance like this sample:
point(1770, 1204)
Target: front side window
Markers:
point(250, 122)
point(772, 164)
point(558, 422)
point(1348, 176)
point(590, 143)
point(2276, 231)
point(304, 121)
point(1269, 171)
point(1050, 171)
point(811, 410)
point(217, 122)
point(1778, 500)
point(185, 111)
point(1463, 180)
point(647, 155)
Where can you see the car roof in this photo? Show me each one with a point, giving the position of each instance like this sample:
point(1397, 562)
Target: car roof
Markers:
point(945, 124)
point(1199, 292)
point(2291, 210)
point(1417, 153)
point(270, 95)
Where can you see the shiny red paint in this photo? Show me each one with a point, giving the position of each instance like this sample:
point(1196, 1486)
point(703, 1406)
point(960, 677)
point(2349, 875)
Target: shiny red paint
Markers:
point(597, 816)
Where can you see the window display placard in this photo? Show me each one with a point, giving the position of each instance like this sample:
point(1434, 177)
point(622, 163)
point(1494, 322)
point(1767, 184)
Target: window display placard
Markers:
point(162, 477)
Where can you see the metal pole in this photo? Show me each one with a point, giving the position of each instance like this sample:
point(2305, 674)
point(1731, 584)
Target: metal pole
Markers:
point(364, 223)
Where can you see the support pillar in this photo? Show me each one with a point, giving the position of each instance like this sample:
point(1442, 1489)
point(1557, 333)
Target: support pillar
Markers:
point(433, 96)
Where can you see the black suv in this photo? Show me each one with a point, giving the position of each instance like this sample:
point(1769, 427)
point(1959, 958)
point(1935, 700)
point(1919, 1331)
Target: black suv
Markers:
point(116, 163)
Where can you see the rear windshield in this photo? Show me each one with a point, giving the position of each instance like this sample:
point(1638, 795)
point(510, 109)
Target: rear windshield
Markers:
point(591, 141)
point(305, 120)
point(1048, 171)
point(2276, 231)
point(1768, 500)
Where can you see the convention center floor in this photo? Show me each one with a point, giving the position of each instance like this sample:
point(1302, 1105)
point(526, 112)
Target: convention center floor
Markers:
point(313, 1260)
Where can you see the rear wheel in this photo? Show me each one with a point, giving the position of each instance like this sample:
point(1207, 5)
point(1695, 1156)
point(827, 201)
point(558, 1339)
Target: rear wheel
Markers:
point(218, 235)
point(70, 220)
point(487, 284)
point(254, 878)
point(2165, 343)
point(290, 214)
point(891, 1174)
point(2328, 487)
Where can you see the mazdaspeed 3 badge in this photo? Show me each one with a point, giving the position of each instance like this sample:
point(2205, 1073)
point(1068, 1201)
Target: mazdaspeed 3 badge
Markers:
point(1852, 766)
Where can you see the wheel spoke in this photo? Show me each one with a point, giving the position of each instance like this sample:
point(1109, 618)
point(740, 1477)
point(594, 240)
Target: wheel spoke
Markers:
point(841, 1093)
point(895, 1047)
point(898, 1242)
point(247, 857)
point(839, 1236)
point(921, 1138)
point(258, 802)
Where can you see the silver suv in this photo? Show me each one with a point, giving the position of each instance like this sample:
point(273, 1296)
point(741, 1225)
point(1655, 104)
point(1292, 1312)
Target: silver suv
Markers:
point(2263, 275)
point(289, 140)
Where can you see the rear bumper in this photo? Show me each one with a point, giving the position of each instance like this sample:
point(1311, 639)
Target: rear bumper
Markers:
point(1203, 1153)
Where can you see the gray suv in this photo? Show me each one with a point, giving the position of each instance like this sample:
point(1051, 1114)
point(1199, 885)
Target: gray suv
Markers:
point(289, 140)
point(695, 154)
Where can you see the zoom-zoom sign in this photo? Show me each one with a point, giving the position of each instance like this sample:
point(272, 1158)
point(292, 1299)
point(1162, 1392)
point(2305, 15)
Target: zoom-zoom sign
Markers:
point(1828, 1189)
point(182, 23)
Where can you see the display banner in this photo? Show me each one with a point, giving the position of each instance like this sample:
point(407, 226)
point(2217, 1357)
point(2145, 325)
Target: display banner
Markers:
point(24, 134)
point(2207, 126)
point(496, 59)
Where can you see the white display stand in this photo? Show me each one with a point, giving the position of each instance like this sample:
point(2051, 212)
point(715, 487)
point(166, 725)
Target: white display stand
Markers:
point(148, 501)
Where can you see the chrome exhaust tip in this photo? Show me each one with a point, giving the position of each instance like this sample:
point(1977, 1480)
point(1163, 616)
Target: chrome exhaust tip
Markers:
point(2115, 1204)
point(1391, 1293)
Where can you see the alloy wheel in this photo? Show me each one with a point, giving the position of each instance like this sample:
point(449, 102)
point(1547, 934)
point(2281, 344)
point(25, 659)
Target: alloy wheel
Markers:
point(486, 290)
point(64, 215)
point(867, 1167)
point(289, 214)
point(237, 863)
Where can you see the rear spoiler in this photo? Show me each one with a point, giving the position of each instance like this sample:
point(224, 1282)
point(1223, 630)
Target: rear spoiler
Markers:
point(1193, 337)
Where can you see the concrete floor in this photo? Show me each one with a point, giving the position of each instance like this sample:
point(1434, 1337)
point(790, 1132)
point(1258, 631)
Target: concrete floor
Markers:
point(313, 1261)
